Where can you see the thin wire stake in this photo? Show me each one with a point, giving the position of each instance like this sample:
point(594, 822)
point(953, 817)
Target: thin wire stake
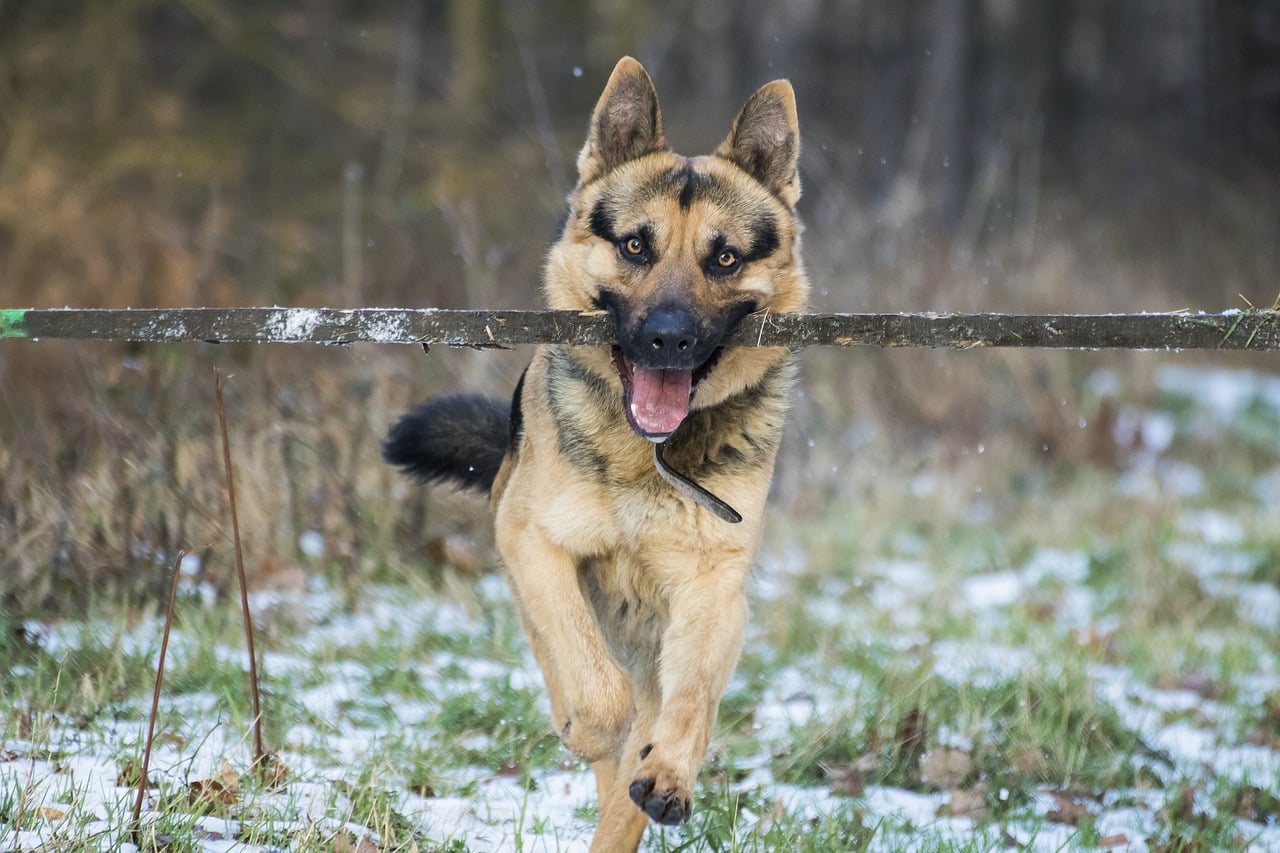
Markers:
point(135, 828)
point(259, 751)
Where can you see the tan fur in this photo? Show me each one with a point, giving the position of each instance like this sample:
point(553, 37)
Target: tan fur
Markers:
point(633, 596)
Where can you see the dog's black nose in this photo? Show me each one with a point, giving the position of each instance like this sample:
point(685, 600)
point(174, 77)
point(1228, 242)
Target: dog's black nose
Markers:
point(670, 334)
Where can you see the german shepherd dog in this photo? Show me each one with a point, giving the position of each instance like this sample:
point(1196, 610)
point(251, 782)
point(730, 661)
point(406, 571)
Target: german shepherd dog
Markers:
point(617, 474)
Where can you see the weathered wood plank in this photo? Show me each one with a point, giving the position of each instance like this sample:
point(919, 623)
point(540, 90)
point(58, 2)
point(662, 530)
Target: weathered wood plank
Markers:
point(1229, 330)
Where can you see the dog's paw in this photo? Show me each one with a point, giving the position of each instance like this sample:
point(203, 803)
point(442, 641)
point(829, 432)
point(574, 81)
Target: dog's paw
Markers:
point(660, 795)
point(596, 727)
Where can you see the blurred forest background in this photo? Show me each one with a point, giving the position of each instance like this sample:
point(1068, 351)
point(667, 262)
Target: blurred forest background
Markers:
point(1003, 155)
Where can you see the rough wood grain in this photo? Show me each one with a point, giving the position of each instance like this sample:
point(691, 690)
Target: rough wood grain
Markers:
point(1229, 330)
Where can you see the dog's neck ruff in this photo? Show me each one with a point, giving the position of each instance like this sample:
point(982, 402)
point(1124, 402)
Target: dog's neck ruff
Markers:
point(692, 490)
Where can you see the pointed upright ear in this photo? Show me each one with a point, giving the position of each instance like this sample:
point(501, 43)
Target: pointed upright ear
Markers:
point(765, 140)
point(626, 123)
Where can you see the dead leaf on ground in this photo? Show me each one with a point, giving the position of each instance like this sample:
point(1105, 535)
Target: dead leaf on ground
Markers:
point(909, 742)
point(1255, 804)
point(271, 771)
point(171, 739)
point(1027, 759)
point(1096, 641)
point(845, 780)
point(1067, 809)
point(1185, 844)
point(912, 731)
point(50, 813)
point(344, 843)
point(221, 791)
point(966, 802)
point(1271, 708)
point(228, 775)
point(1118, 839)
point(1183, 809)
point(946, 767)
point(210, 792)
point(867, 763)
point(1200, 684)
point(131, 774)
point(24, 724)
point(1263, 735)
point(1267, 732)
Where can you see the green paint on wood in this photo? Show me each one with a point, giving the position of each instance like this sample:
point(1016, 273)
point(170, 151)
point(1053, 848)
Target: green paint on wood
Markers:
point(11, 325)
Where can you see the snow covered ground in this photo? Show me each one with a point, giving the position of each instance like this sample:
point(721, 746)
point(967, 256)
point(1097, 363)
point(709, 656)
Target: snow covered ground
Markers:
point(409, 715)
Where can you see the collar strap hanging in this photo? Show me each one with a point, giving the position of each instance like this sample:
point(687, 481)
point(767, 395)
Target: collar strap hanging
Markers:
point(692, 490)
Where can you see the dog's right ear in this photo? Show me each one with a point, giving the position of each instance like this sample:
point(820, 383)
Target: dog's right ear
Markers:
point(765, 140)
point(626, 123)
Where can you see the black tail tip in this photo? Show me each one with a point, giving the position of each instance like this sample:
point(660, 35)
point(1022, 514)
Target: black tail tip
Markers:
point(460, 439)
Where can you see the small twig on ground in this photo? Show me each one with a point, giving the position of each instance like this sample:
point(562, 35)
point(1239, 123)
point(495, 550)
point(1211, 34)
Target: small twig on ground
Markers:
point(134, 828)
point(259, 751)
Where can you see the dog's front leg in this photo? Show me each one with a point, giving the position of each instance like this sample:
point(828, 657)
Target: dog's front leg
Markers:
point(591, 701)
point(700, 648)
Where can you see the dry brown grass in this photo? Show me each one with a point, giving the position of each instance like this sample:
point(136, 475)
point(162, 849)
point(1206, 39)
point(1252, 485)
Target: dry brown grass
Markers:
point(134, 177)
point(115, 465)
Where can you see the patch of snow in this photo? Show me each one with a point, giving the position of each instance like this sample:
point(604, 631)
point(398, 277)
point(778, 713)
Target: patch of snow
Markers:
point(994, 589)
point(1212, 526)
point(1135, 824)
point(291, 324)
point(387, 327)
point(506, 816)
point(1221, 392)
point(1208, 561)
point(1069, 567)
point(1160, 480)
point(918, 809)
point(981, 664)
point(1156, 431)
point(1259, 603)
point(311, 543)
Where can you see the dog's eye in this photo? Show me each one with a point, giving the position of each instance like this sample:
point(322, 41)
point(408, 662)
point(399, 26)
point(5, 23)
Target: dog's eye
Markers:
point(635, 249)
point(724, 262)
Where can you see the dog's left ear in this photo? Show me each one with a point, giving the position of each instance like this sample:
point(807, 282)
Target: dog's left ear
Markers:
point(626, 124)
point(765, 140)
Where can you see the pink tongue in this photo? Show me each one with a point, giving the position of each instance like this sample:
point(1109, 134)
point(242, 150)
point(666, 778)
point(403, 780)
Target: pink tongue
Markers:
point(660, 399)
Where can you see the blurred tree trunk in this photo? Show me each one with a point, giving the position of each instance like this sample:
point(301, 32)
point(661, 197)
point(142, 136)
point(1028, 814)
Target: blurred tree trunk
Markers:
point(1242, 75)
point(937, 161)
point(617, 23)
point(395, 136)
point(472, 25)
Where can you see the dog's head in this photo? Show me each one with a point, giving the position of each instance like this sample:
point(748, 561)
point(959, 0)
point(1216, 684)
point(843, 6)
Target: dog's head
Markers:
point(678, 250)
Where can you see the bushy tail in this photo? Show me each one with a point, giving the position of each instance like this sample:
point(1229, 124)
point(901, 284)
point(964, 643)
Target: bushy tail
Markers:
point(459, 439)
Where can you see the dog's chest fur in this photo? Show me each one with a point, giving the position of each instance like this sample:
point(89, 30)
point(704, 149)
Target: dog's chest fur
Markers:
point(735, 438)
point(644, 538)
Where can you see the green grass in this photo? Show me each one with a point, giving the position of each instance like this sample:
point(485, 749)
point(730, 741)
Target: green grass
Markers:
point(871, 649)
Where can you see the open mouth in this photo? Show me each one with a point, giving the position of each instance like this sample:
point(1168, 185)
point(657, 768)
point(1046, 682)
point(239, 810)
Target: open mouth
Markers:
point(656, 400)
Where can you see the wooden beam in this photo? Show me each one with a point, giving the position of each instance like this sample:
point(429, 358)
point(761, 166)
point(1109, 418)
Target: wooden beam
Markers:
point(1250, 329)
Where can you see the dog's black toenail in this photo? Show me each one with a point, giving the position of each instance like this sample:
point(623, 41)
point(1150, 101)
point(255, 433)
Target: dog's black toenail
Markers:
point(639, 791)
point(668, 810)
point(645, 750)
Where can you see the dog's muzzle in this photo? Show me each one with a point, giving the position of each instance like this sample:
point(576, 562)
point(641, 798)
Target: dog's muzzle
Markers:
point(661, 358)
point(656, 399)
